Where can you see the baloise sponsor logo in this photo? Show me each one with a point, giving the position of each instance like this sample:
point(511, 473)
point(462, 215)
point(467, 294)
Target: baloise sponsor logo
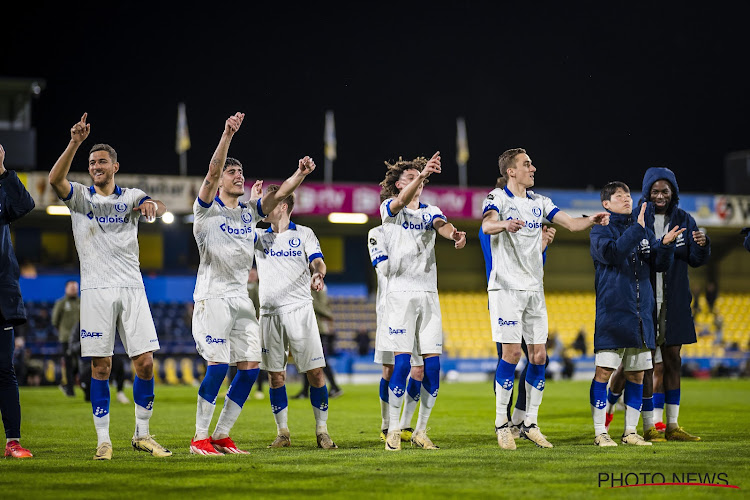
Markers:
point(236, 231)
point(421, 226)
point(530, 223)
point(108, 219)
point(85, 334)
point(212, 340)
point(282, 253)
point(510, 322)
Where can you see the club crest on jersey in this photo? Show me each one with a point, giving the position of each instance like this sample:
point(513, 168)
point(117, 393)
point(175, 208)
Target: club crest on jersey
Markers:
point(120, 207)
point(426, 217)
point(247, 218)
point(644, 247)
point(295, 242)
point(536, 211)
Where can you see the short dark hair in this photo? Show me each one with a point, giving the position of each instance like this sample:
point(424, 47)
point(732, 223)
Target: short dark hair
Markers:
point(231, 162)
point(506, 160)
point(105, 147)
point(611, 187)
point(289, 200)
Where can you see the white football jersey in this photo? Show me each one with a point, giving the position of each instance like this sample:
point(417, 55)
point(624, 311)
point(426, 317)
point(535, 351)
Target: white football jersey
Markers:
point(379, 258)
point(105, 230)
point(517, 257)
point(283, 261)
point(409, 238)
point(225, 238)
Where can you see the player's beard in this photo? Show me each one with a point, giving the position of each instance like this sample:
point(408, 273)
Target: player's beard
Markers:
point(102, 180)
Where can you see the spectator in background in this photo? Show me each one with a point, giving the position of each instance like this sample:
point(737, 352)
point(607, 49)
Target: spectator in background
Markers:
point(712, 293)
point(28, 371)
point(579, 344)
point(324, 318)
point(15, 202)
point(65, 316)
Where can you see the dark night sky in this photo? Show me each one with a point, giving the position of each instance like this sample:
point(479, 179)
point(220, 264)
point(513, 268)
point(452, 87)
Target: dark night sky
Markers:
point(593, 92)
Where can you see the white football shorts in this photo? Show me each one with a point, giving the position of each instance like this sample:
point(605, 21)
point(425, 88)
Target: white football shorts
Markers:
point(226, 330)
point(518, 313)
point(413, 322)
point(294, 332)
point(105, 311)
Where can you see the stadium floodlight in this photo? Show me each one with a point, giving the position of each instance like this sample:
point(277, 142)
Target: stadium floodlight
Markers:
point(167, 218)
point(58, 210)
point(347, 218)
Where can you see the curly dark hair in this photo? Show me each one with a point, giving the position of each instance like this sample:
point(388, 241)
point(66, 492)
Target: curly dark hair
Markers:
point(393, 174)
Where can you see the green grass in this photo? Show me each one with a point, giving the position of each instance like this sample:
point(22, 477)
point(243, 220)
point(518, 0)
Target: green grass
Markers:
point(60, 433)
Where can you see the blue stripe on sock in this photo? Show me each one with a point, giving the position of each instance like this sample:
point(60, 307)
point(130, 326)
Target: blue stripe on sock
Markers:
point(536, 376)
point(648, 404)
point(211, 384)
point(633, 394)
point(672, 397)
point(598, 394)
point(413, 387)
point(401, 367)
point(659, 400)
point(612, 397)
point(278, 398)
point(431, 380)
point(384, 390)
point(241, 384)
point(99, 397)
point(319, 397)
point(143, 392)
point(505, 374)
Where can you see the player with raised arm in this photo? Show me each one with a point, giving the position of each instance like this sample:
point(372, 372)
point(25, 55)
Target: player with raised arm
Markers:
point(516, 291)
point(412, 305)
point(290, 264)
point(105, 229)
point(379, 258)
point(225, 328)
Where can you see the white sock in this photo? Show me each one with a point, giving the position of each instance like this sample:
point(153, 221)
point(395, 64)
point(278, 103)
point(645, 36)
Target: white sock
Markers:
point(142, 416)
point(631, 419)
point(8, 440)
point(648, 420)
point(517, 416)
point(599, 415)
point(394, 408)
point(203, 415)
point(410, 406)
point(384, 416)
point(281, 419)
point(658, 414)
point(101, 424)
point(502, 398)
point(425, 408)
point(321, 417)
point(228, 417)
point(533, 402)
point(672, 411)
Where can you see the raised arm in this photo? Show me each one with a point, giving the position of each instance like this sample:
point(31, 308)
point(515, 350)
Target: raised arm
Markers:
point(407, 194)
point(581, 223)
point(304, 168)
point(318, 268)
point(215, 166)
point(18, 200)
point(449, 232)
point(59, 173)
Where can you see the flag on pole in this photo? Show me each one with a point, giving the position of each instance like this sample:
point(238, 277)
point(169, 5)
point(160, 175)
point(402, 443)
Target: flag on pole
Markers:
point(330, 137)
point(462, 142)
point(182, 141)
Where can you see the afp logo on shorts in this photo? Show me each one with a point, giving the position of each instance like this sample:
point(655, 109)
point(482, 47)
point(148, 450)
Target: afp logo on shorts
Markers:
point(212, 340)
point(510, 322)
point(85, 334)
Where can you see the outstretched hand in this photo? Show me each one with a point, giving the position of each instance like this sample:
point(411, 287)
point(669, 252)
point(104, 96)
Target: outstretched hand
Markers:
point(80, 131)
point(459, 237)
point(233, 123)
point(672, 235)
point(306, 165)
point(433, 166)
point(602, 218)
point(316, 283)
point(642, 215)
point(257, 190)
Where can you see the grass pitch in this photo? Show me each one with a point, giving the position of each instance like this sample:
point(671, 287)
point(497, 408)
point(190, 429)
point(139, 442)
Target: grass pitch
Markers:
point(60, 433)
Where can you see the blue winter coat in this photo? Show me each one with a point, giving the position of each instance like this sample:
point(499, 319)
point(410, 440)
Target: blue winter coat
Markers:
point(680, 327)
point(624, 253)
point(15, 202)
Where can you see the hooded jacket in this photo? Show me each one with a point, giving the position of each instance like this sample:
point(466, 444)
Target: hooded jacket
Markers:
point(624, 254)
point(15, 202)
point(680, 327)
